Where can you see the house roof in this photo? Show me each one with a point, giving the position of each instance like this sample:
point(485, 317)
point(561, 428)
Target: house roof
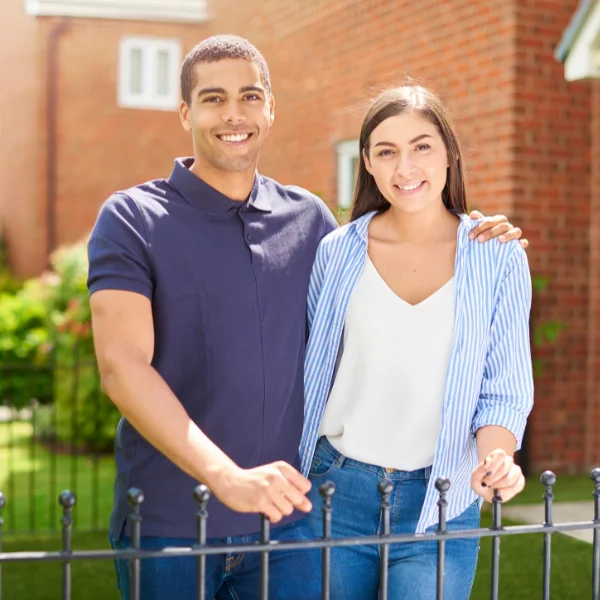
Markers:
point(572, 31)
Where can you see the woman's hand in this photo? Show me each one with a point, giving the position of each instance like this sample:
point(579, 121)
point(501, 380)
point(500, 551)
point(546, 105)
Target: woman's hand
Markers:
point(497, 472)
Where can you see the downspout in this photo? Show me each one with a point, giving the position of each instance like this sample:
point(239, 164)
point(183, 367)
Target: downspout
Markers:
point(52, 72)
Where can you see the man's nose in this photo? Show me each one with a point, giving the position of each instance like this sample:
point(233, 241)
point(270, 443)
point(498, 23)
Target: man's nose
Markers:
point(233, 114)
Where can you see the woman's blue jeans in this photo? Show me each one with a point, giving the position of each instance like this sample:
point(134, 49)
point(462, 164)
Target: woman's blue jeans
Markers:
point(356, 512)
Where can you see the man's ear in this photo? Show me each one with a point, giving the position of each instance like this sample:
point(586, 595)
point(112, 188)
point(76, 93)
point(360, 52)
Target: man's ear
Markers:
point(271, 108)
point(184, 116)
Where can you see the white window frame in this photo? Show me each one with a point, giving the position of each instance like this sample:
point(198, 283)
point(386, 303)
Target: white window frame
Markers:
point(347, 153)
point(149, 98)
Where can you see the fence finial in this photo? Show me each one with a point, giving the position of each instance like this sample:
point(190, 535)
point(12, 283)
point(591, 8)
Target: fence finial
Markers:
point(202, 495)
point(67, 499)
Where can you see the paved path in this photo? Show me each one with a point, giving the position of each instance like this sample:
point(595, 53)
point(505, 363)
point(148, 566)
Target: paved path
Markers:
point(562, 512)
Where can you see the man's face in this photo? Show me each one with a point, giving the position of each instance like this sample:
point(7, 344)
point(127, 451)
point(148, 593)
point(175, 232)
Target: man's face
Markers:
point(229, 114)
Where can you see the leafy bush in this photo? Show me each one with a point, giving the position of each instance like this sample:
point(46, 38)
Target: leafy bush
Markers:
point(24, 348)
point(47, 353)
point(84, 415)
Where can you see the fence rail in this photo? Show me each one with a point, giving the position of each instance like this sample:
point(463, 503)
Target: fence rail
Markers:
point(201, 550)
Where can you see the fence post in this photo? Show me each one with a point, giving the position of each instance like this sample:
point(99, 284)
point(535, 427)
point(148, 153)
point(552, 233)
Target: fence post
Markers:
point(385, 487)
point(442, 485)
point(202, 496)
point(496, 525)
point(135, 497)
point(326, 490)
point(548, 478)
point(595, 476)
point(265, 534)
point(2, 504)
point(67, 500)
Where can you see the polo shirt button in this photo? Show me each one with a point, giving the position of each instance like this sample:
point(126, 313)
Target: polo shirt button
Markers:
point(249, 236)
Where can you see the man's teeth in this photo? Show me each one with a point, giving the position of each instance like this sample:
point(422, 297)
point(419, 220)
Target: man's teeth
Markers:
point(238, 137)
point(408, 188)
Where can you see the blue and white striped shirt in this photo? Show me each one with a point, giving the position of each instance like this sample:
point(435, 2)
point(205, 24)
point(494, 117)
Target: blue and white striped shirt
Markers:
point(489, 379)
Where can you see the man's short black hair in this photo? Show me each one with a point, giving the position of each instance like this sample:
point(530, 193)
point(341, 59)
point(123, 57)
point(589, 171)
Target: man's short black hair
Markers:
point(216, 48)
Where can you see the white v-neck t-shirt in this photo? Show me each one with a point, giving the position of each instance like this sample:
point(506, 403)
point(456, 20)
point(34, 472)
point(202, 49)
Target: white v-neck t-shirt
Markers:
point(385, 407)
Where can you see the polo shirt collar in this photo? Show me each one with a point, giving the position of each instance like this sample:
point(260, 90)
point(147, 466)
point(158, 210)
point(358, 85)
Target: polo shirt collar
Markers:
point(201, 195)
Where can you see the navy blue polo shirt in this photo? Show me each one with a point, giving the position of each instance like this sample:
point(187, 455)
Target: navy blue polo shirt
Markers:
point(228, 283)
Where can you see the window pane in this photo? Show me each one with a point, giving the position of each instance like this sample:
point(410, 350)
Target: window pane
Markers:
point(162, 74)
point(135, 75)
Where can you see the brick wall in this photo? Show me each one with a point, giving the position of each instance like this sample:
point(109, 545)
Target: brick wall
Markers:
point(21, 140)
point(526, 131)
point(592, 416)
point(528, 137)
point(552, 200)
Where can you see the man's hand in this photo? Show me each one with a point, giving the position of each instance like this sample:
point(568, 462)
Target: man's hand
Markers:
point(497, 226)
point(498, 471)
point(273, 490)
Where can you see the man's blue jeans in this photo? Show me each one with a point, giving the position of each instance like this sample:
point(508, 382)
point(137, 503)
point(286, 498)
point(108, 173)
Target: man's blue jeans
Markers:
point(293, 575)
point(356, 512)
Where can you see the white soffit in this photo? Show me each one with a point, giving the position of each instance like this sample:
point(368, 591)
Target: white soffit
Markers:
point(583, 60)
point(186, 11)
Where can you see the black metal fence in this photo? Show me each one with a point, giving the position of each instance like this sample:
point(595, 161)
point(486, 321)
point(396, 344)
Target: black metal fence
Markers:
point(56, 430)
point(201, 550)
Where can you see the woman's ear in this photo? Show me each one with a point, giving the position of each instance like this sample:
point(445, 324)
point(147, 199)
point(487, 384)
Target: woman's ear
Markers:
point(367, 161)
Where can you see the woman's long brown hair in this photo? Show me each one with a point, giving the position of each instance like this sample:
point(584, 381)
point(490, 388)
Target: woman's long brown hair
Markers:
point(393, 102)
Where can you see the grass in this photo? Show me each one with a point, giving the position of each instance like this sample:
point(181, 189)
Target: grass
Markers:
point(521, 567)
point(32, 477)
point(568, 488)
point(92, 580)
point(31, 468)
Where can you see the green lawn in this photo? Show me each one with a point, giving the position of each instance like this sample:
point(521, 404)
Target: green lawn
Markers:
point(31, 479)
point(568, 488)
point(520, 569)
point(520, 566)
point(91, 580)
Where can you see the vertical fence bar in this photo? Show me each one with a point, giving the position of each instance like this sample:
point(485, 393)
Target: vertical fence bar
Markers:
point(326, 490)
point(33, 466)
point(74, 415)
point(95, 458)
point(496, 526)
point(265, 535)
point(385, 490)
point(53, 455)
point(67, 500)
point(135, 497)
point(595, 476)
point(442, 485)
point(12, 518)
point(202, 496)
point(2, 503)
point(548, 478)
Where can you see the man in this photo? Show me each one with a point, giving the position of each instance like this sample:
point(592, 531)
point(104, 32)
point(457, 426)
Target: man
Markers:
point(198, 291)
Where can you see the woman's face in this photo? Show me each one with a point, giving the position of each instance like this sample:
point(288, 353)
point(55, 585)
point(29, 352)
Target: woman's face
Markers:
point(409, 162)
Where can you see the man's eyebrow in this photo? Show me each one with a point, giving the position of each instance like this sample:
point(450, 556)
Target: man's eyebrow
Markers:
point(416, 139)
point(252, 88)
point(211, 90)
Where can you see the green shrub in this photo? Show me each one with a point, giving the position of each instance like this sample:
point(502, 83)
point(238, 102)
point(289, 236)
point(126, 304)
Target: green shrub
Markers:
point(84, 415)
point(25, 348)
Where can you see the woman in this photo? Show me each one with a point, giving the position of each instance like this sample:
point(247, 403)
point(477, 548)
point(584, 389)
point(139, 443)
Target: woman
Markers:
point(418, 362)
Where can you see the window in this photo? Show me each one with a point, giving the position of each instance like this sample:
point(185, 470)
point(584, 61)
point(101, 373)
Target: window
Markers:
point(347, 167)
point(149, 73)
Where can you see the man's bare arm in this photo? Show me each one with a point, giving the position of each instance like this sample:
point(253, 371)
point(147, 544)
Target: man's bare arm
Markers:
point(124, 343)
